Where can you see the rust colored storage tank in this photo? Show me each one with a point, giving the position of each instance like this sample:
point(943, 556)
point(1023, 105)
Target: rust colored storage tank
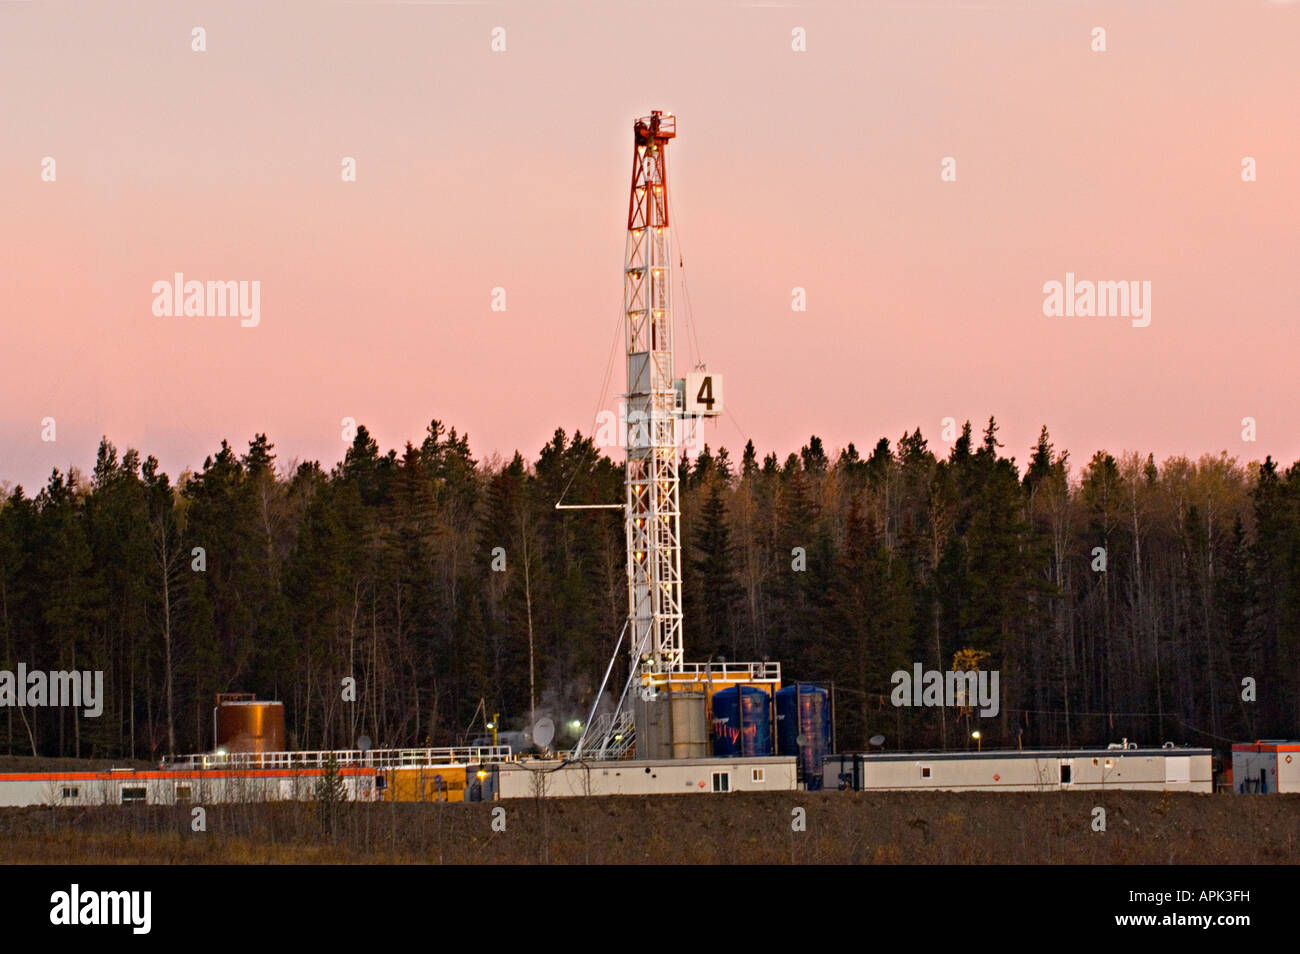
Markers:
point(240, 723)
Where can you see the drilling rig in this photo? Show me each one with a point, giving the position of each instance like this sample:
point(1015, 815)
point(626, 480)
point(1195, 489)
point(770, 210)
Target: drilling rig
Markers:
point(652, 510)
point(668, 713)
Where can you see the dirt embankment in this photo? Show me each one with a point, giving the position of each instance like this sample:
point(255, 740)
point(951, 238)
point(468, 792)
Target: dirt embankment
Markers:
point(838, 828)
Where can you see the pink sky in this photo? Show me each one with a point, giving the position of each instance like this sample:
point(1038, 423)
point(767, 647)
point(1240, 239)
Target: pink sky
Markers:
point(479, 169)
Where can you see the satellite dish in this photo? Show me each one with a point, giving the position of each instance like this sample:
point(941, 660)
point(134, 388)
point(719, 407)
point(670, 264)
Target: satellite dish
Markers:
point(364, 743)
point(877, 740)
point(543, 732)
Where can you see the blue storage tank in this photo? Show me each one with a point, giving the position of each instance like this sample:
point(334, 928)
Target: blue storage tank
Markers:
point(742, 721)
point(803, 728)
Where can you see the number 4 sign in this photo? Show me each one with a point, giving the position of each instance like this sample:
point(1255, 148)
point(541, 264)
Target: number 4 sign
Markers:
point(703, 394)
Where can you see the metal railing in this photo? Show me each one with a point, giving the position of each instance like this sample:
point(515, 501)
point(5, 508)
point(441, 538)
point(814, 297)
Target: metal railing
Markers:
point(728, 672)
point(344, 758)
point(621, 739)
point(610, 737)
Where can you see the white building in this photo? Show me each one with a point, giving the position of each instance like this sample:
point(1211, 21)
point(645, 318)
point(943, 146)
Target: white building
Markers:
point(533, 778)
point(1029, 770)
point(1267, 767)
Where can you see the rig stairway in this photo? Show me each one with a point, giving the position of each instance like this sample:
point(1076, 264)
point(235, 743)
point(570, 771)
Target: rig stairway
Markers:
point(611, 736)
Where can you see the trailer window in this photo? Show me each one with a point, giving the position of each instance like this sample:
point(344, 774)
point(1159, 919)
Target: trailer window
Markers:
point(70, 793)
point(758, 776)
point(925, 771)
point(132, 795)
point(722, 781)
point(1067, 773)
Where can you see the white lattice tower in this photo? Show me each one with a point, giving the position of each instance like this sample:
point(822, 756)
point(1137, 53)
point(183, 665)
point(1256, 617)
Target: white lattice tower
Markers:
point(653, 512)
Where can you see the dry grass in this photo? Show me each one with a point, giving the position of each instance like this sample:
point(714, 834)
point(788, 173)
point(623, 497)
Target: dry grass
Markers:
point(842, 828)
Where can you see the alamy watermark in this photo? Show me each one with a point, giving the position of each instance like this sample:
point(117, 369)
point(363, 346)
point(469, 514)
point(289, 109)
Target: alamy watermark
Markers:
point(194, 299)
point(97, 908)
point(976, 688)
point(1088, 299)
point(57, 688)
point(635, 427)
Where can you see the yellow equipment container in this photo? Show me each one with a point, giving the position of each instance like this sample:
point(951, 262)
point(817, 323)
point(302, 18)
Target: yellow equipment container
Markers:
point(437, 783)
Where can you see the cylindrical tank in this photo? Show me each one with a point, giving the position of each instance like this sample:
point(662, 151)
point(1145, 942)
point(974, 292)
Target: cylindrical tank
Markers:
point(653, 730)
point(803, 728)
point(742, 722)
point(672, 725)
point(690, 725)
point(243, 724)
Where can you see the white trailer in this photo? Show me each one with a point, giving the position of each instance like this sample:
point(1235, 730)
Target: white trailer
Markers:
point(551, 778)
point(1029, 770)
point(1267, 767)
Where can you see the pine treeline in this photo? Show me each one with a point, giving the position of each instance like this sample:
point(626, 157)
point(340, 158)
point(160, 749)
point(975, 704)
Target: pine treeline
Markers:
point(1131, 600)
